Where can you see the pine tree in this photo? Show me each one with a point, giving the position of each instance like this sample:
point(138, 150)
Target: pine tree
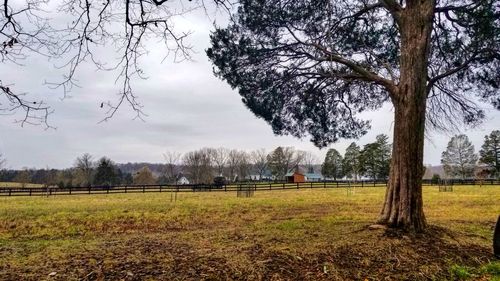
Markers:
point(376, 158)
point(332, 167)
point(490, 152)
point(106, 172)
point(309, 67)
point(351, 164)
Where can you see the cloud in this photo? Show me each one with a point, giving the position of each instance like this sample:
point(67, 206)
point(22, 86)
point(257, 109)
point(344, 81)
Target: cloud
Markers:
point(186, 106)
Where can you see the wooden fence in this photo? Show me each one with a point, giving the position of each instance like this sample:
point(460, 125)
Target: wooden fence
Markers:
point(257, 186)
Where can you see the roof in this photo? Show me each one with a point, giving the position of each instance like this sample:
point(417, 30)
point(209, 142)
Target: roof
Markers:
point(313, 176)
point(289, 174)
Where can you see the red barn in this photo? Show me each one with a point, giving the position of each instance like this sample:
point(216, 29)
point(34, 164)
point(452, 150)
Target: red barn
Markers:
point(296, 177)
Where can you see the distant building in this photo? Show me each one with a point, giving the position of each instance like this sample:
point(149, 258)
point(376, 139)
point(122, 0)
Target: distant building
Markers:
point(313, 177)
point(256, 177)
point(182, 180)
point(295, 177)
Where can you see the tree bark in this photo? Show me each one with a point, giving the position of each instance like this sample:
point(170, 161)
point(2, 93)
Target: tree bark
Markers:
point(403, 206)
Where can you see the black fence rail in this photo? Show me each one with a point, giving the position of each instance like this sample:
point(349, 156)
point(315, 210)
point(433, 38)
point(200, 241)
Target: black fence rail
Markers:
point(256, 186)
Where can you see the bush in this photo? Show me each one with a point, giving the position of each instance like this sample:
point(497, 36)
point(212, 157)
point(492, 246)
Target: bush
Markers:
point(435, 178)
point(219, 181)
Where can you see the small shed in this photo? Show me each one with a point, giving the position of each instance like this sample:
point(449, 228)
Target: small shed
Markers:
point(295, 177)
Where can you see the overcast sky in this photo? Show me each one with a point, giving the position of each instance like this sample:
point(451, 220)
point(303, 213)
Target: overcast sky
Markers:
point(187, 107)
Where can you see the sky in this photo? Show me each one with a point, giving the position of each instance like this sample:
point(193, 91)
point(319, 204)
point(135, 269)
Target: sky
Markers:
point(187, 108)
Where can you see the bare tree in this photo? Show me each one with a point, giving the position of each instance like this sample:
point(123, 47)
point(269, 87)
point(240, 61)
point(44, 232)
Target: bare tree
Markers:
point(308, 159)
point(173, 162)
point(243, 165)
point(232, 163)
point(292, 158)
point(144, 176)
point(2, 161)
point(23, 177)
point(199, 165)
point(220, 157)
point(282, 160)
point(84, 166)
point(259, 160)
point(459, 158)
point(75, 33)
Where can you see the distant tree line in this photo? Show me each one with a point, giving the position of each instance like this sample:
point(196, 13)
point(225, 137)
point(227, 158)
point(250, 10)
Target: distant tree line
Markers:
point(232, 165)
point(198, 166)
point(85, 172)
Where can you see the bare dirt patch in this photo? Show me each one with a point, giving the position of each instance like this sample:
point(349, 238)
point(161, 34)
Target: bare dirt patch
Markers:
point(377, 255)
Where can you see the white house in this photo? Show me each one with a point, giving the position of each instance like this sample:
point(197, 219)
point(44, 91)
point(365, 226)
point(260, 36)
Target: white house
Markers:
point(183, 180)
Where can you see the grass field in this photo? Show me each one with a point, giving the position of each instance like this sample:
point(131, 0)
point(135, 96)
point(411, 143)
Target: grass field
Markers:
point(17, 184)
point(309, 234)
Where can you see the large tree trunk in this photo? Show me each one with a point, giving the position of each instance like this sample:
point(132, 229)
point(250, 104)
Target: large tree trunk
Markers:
point(403, 206)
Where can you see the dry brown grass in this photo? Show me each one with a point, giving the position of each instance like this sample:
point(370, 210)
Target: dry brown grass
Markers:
point(280, 235)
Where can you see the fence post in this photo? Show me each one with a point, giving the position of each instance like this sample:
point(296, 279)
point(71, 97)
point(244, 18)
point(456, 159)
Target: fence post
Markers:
point(125, 189)
point(283, 185)
point(143, 189)
point(160, 188)
point(30, 191)
point(89, 189)
point(361, 183)
point(297, 185)
point(70, 191)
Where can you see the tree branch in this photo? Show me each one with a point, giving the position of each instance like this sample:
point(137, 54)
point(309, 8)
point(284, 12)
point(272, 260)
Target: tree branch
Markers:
point(365, 73)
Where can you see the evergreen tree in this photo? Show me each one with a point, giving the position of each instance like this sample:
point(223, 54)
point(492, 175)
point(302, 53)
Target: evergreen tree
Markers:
point(351, 164)
point(127, 178)
point(368, 159)
point(459, 158)
point(309, 67)
point(106, 173)
point(332, 167)
point(490, 152)
point(376, 158)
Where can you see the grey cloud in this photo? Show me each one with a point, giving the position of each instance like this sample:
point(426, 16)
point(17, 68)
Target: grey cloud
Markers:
point(187, 108)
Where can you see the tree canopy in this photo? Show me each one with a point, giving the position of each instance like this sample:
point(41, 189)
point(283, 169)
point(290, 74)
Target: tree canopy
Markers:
point(332, 166)
point(375, 158)
point(309, 67)
point(106, 172)
point(351, 164)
